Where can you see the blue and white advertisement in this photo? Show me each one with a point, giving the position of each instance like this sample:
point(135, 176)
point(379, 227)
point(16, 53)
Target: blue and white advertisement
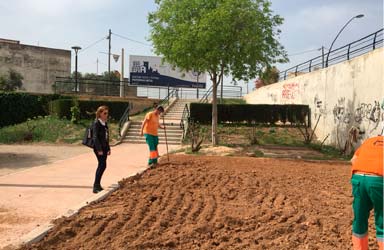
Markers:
point(150, 71)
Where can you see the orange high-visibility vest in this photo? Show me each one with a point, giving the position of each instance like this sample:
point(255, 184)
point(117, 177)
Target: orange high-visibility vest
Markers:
point(368, 157)
point(152, 125)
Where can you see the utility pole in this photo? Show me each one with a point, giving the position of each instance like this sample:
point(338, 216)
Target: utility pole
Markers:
point(109, 53)
point(122, 74)
point(97, 66)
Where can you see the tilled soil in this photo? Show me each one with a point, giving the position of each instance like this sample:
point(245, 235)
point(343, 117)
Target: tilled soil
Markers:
point(203, 202)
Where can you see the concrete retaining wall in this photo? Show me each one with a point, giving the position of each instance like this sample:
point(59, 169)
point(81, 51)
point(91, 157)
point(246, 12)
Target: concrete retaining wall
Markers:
point(343, 95)
point(38, 65)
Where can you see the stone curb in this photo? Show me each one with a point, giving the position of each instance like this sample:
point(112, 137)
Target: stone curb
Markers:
point(38, 233)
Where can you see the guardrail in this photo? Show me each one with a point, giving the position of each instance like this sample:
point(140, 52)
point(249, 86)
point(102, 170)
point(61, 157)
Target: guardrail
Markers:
point(344, 53)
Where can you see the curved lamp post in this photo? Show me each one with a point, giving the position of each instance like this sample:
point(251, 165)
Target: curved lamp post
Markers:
point(350, 20)
point(76, 48)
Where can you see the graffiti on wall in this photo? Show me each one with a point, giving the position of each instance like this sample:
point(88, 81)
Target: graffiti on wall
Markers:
point(273, 97)
point(371, 114)
point(341, 113)
point(368, 111)
point(319, 107)
point(290, 91)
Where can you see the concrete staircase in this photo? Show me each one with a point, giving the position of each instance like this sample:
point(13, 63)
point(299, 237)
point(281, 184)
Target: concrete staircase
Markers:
point(172, 119)
point(175, 112)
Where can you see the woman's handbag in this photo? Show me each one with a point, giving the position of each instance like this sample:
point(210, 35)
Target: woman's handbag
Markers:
point(88, 137)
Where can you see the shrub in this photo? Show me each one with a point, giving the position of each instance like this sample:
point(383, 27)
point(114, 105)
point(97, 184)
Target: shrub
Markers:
point(18, 107)
point(248, 113)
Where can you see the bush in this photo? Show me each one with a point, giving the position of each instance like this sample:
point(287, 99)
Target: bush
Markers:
point(62, 108)
point(88, 108)
point(240, 113)
point(18, 107)
point(47, 129)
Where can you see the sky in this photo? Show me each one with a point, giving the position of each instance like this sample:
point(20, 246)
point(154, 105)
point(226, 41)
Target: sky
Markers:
point(308, 25)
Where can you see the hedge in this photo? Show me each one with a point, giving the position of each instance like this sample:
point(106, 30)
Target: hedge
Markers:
point(259, 113)
point(17, 107)
point(62, 108)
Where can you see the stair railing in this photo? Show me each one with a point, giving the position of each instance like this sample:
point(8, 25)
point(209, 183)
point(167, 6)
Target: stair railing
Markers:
point(205, 97)
point(125, 117)
point(165, 100)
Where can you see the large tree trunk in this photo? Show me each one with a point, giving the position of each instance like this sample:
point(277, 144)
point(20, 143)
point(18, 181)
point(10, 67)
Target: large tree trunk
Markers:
point(214, 110)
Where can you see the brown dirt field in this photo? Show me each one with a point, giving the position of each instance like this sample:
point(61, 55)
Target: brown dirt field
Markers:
point(210, 202)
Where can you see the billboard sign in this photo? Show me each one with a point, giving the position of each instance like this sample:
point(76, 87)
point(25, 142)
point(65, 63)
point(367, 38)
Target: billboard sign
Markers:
point(150, 71)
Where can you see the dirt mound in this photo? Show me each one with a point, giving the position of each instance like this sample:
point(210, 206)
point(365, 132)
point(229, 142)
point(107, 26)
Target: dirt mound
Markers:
point(218, 203)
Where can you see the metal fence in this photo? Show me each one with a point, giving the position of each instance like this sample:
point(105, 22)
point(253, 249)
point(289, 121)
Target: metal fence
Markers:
point(344, 53)
point(99, 87)
point(187, 93)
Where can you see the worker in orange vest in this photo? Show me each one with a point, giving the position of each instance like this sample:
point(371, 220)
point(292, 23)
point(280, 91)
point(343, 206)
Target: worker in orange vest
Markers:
point(367, 189)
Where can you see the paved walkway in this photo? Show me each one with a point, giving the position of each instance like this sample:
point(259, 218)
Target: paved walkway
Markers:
point(32, 198)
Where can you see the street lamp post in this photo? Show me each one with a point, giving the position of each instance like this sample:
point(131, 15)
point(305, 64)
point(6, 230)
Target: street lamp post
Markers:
point(76, 48)
point(350, 20)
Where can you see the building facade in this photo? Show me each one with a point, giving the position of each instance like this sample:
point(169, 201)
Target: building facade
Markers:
point(38, 65)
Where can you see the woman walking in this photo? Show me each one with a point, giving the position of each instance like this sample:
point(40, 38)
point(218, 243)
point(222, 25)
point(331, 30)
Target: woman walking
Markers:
point(149, 128)
point(101, 145)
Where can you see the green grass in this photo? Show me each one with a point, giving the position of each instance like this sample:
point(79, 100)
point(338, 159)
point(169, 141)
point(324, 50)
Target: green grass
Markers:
point(330, 152)
point(42, 129)
point(48, 129)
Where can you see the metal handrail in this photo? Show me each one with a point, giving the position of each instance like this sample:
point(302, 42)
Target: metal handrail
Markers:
point(166, 99)
point(125, 117)
point(184, 119)
point(204, 98)
point(343, 53)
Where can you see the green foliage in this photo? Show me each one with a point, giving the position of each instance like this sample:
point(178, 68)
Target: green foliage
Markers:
point(46, 129)
point(18, 107)
point(243, 134)
point(330, 152)
point(11, 81)
point(253, 136)
point(87, 108)
point(205, 35)
point(238, 113)
point(221, 37)
point(269, 75)
point(258, 153)
point(75, 113)
point(233, 101)
point(104, 76)
point(61, 108)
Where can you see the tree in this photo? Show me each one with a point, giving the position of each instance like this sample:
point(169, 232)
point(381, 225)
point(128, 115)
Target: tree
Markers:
point(269, 75)
point(221, 37)
point(11, 81)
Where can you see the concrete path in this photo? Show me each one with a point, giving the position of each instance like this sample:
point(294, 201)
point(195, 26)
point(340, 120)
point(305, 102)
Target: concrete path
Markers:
point(32, 198)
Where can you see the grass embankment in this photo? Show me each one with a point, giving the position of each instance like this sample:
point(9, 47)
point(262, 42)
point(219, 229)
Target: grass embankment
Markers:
point(48, 129)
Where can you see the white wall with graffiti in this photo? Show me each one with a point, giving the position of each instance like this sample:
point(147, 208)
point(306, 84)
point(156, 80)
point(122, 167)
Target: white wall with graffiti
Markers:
point(346, 98)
